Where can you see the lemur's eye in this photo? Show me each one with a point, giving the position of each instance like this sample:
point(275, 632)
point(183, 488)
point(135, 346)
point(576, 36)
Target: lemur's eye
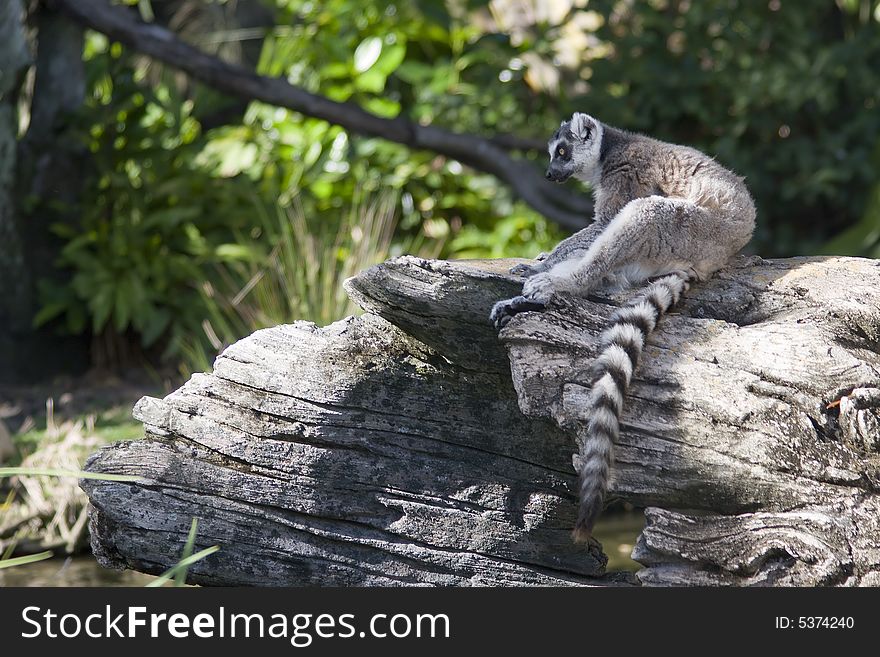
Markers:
point(560, 151)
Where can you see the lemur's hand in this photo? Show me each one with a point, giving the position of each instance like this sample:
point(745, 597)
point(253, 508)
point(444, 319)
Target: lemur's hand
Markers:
point(503, 311)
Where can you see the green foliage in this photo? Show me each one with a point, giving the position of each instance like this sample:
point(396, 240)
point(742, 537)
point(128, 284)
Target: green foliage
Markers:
point(151, 219)
point(177, 223)
point(294, 269)
point(516, 236)
point(862, 239)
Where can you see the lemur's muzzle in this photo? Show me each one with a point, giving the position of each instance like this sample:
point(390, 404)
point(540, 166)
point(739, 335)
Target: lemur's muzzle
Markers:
point(557, 175)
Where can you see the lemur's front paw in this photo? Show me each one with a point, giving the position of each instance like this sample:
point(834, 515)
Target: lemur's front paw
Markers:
point(540, 287)
point(503, 311)
point(541, 257)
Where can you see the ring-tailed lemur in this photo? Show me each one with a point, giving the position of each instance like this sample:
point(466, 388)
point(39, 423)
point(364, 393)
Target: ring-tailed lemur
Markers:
point(663, 212)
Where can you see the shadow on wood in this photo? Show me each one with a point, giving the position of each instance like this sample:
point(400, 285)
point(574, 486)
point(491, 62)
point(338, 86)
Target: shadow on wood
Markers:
point(412, 446)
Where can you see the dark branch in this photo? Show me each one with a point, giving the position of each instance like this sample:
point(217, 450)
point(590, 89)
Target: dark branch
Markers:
point(486, 154)
point(517, 143)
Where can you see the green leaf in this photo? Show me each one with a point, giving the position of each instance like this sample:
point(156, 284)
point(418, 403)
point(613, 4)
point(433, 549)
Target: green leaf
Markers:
point(101, 306)
point(372, 81)
point(392, 56)
point(335, 70)
point(384, 107)
point(171, 217)
point(49, 312)
point(235, 252)
point(122, 307)
point(154, 326)
point(415, 73)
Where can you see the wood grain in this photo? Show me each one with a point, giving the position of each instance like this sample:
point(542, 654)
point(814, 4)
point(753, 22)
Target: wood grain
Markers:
point(412, 446)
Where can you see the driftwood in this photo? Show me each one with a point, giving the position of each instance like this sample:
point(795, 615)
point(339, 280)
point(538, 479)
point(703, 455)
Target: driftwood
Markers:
point(411, 445)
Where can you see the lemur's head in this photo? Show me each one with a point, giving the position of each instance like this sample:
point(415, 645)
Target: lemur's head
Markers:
point(574, 149)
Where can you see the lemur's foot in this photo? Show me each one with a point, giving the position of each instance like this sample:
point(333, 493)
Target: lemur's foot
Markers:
point(503, 311)
point(540, 287)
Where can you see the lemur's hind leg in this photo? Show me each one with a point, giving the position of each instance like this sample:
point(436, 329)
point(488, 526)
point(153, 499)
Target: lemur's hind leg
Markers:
point(637, 244)
point(572, 247)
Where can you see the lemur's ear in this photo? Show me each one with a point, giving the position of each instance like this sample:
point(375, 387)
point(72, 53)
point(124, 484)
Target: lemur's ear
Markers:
point(582, 126)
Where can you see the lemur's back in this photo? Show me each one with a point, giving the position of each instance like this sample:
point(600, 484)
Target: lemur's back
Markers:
point(677, 171)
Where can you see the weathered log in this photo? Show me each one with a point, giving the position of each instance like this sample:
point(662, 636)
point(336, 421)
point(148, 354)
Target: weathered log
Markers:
point(411, 445)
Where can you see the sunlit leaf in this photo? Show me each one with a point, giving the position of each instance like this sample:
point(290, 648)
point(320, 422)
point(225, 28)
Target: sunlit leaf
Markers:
point(367, 53)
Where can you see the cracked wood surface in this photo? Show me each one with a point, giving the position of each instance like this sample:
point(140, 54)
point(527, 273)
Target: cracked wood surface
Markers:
point(411, 445)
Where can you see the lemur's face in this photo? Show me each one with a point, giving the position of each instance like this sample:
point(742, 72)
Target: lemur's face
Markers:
point(574, 149)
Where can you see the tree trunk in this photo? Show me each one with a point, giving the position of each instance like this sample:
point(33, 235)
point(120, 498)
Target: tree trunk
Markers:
point(411, 445)
point(40, 179)
point(15, 297)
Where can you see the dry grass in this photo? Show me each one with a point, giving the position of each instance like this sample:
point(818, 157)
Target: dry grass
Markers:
point(49, 513)
point(301, 274)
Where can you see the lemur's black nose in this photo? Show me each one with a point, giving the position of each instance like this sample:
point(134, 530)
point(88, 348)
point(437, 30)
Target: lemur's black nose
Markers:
point(548, 175)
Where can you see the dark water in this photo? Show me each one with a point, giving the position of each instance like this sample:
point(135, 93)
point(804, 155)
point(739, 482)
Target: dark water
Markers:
point(617, 533)
point(72, 571)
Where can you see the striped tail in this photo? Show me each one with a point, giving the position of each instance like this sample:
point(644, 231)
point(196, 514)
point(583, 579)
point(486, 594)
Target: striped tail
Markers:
point(620, 347)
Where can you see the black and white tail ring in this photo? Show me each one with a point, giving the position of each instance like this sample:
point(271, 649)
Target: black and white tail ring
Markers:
point(621, 345)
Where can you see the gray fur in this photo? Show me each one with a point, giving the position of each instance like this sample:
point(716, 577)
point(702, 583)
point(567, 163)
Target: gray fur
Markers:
point(662, 210)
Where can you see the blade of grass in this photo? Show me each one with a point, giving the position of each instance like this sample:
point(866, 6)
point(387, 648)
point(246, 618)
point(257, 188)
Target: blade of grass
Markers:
point(29, 558)
point(183, 563)
point(79, 474)
point(180, 578)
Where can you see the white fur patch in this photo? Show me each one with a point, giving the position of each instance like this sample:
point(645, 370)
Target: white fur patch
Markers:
point(615, 358)
point(675, 284)
point(631, 275)
point(646, 310)
point(608, 388)
point(565, 268)
point(609, 234)
point(661, 295)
